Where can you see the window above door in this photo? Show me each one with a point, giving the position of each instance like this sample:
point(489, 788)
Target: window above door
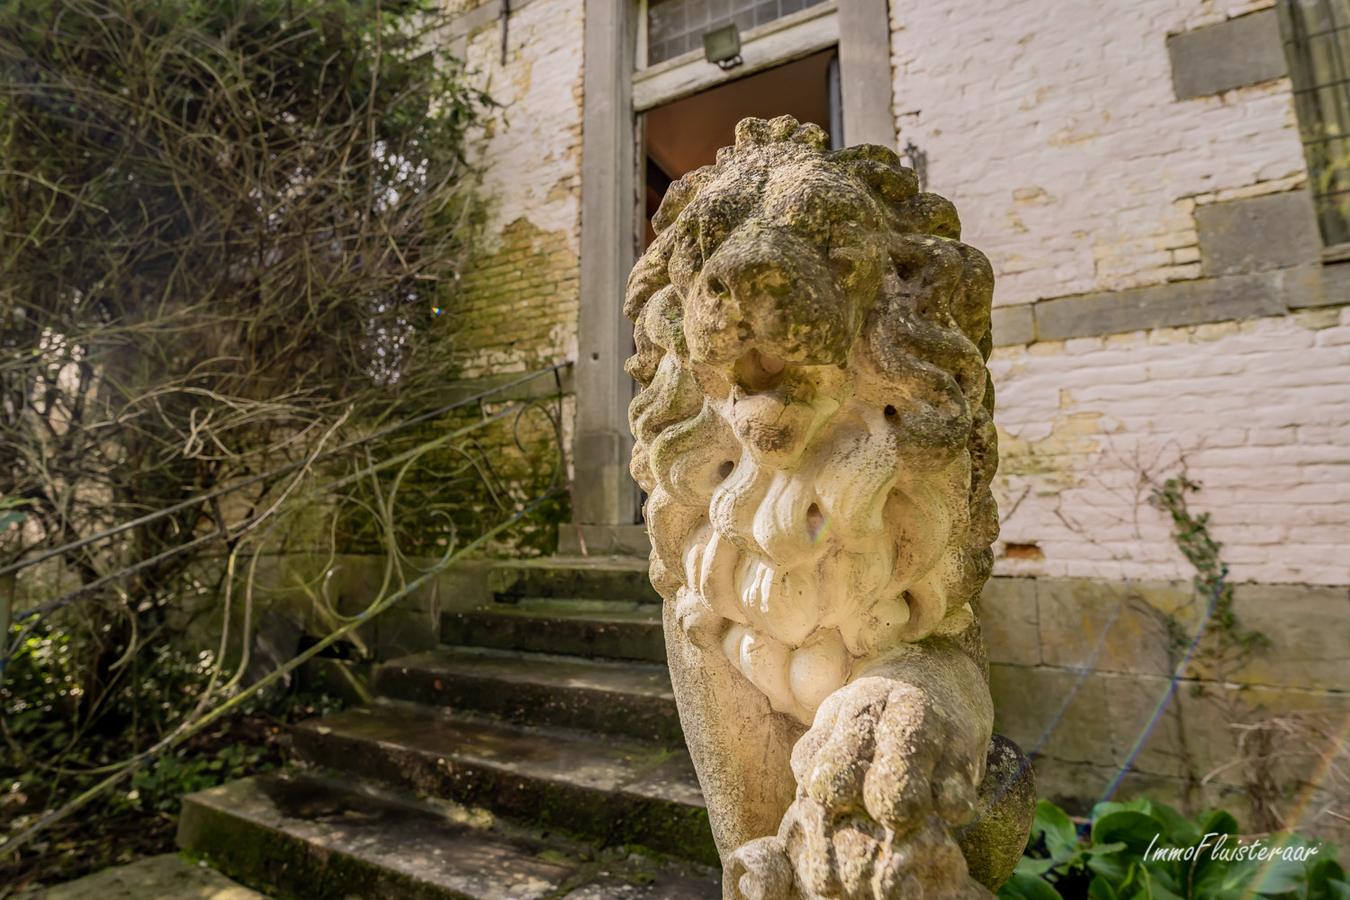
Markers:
point(676, 27)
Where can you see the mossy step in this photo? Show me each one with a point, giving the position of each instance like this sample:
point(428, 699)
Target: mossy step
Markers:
point(628, 631)
point(168, 876)
point(299, 835)
point(608, 578)
point(612, 792)
point(626, 699)
point(620, 609)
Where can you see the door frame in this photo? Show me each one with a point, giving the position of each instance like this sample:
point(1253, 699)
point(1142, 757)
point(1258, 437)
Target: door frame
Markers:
point(614, 91)
point(781, 41)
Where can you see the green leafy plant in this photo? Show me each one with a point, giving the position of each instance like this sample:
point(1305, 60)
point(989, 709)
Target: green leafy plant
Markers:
point(1191, 534)
point(11, 512)
point(1218, 654)
point(161, 784)
point(1115, 856)
point(42, 762)
point(225, 231)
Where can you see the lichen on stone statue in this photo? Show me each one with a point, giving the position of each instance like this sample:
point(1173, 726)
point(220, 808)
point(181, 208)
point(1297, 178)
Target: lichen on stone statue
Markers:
point(814, 433)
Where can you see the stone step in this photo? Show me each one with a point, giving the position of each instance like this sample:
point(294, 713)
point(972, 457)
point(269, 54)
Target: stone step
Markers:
point(626, 699)
point(608, 629)
point(303, 835)
point(613, 792)
point(608, 578)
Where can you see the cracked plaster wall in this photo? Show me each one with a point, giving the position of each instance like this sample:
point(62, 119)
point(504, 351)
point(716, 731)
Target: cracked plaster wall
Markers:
point(517, 309)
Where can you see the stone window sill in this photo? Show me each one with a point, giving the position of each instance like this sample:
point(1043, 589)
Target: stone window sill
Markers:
point(1336, 253)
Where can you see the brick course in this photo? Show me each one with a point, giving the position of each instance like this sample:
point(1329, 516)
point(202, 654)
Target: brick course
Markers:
point(1061, 141)
point(1259, 411)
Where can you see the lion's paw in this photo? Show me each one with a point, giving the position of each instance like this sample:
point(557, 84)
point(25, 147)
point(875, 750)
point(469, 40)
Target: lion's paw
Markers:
point(855, 858)
point(886, 777)
point(761, 870)
point(894, 751)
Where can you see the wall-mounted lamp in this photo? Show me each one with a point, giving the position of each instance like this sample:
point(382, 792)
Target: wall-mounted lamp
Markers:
point(723, 47)
point(918, 161)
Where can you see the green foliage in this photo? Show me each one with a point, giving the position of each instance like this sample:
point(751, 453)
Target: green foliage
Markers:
point(1216, 655)
point(1202, 551)
point(45, 762)
point(161, 784)
point(43, 691)
point(38, 699)
point(11, 512)
point(1113, 857)
point(223, 221)
point(224, 226)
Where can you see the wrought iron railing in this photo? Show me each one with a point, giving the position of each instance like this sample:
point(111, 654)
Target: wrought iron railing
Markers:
point(225, 693)
point(225, 531)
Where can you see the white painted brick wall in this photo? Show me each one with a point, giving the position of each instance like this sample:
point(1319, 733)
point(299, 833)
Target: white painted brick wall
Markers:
point(1259, 411)
point(531, 158)
point(1055, 130)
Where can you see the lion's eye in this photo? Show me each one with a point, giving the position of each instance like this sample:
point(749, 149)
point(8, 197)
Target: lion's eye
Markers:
point(685, 262)
point(713, 230)
point(664, 321)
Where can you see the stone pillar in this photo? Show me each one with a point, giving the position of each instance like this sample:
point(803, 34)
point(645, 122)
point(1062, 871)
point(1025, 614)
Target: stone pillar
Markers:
point(865, 72)
point(605, 492)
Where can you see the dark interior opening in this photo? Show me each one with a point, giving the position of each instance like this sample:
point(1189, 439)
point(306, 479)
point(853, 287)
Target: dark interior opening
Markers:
point(686, 134)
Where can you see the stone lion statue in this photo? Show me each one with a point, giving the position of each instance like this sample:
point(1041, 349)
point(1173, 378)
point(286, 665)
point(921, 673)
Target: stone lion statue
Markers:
point(814, 433)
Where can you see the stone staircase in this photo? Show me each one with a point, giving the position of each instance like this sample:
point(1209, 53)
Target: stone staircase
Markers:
point(536, 753)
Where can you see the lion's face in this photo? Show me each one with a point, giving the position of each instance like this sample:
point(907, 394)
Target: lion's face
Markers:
point(813, 428)
point(776, 265)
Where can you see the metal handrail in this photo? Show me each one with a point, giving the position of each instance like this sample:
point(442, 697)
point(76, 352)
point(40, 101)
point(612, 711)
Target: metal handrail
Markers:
point(224, 702)
point(281, 470)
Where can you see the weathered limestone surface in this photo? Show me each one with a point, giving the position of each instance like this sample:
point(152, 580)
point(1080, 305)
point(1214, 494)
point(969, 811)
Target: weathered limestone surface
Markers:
point(1079, 668)
point(167, 877)
point(814, 433)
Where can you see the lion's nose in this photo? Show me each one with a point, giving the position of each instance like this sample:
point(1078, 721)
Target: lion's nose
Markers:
point(768, 288)
point(717, 323)
point(745, 278)
point(748, 278)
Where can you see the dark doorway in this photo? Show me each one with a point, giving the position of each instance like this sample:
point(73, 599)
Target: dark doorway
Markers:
point(686, 134)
